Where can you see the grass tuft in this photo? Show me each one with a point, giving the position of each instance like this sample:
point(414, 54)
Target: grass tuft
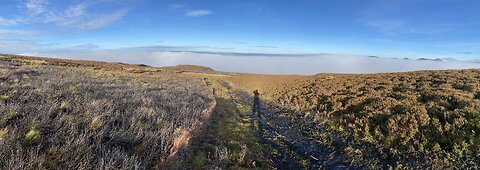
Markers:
point(32, 138)
point(4, 97)
point(64, 106)
point(3, 133)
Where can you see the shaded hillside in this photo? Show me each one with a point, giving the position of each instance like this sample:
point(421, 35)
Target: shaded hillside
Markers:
point(64, 114)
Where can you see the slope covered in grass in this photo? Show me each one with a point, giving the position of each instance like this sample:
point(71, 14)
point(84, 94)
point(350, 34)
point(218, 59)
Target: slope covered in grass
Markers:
point(91, 115)
point(81, 114)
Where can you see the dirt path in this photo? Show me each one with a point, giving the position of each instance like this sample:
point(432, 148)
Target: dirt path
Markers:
point(297, 152)
point(292, 148)
point(268, 135)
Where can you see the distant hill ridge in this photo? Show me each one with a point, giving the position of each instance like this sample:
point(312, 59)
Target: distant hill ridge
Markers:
point(189, 68)
point(105, 65)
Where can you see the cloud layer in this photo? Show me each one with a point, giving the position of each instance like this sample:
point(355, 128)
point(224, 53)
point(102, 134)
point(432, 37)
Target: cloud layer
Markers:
point(265, 63)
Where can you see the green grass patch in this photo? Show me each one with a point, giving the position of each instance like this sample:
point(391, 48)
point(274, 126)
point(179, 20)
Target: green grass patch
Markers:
point(228, 129)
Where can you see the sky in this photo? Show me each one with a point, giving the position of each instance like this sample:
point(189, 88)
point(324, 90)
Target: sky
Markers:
point(236, 35)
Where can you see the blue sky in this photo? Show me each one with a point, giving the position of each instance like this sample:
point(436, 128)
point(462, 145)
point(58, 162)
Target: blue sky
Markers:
point(385, 28)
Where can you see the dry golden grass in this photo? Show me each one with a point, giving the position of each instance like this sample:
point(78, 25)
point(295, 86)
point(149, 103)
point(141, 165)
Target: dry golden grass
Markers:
point(67, 114)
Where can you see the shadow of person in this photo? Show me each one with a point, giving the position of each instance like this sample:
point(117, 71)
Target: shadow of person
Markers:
point(256, 102)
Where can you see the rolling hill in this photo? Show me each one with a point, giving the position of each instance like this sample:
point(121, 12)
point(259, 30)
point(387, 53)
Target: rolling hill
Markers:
point(86, 115)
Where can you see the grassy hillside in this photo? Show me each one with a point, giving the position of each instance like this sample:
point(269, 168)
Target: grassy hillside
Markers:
point(411, 120)
point(61, 114)
point(83, 114)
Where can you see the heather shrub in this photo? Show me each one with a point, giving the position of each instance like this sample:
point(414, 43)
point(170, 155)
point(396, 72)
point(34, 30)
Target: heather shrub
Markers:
point(416, 119)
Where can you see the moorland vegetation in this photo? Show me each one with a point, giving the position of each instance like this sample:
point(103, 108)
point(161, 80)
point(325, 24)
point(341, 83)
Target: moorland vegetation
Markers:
point(63, 114)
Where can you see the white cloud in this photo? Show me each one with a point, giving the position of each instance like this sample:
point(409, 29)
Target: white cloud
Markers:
point(36, 6)
point(7, 22)
point(80, 15)
point(5, 33)
point(77, 10)
point(69, 17)
point(198, 13)
point(103, 20)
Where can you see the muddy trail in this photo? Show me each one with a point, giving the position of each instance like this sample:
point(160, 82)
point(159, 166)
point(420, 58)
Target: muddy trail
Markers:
point(295, 152)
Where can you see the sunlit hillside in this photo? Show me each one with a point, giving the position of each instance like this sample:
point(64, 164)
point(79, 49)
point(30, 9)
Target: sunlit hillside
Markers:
point(60, 114)
point(77, 114)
